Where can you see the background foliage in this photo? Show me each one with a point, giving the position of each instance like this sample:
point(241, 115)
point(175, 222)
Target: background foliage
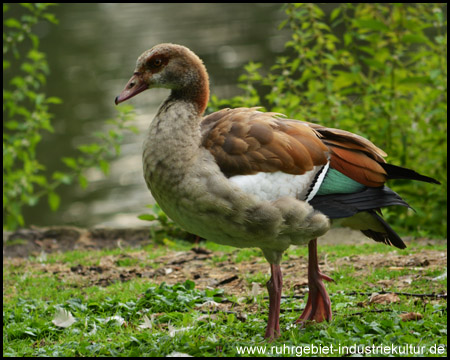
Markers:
point(26, 116)
point(378, 70)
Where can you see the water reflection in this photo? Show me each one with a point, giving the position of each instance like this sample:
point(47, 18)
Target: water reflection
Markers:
point(92, 53)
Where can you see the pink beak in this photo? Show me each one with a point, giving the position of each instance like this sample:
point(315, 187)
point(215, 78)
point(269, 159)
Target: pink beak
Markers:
point(134, 86)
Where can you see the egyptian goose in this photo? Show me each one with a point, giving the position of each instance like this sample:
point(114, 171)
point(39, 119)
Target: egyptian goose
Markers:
point(245, 178)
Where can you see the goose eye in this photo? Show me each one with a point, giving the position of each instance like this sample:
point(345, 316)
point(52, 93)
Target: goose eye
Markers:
point(155, 63)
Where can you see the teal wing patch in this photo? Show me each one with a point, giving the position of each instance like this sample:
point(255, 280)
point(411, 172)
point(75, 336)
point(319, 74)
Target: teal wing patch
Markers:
point(337, 183)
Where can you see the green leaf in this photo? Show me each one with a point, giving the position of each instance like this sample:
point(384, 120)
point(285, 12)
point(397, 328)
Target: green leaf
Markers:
point(416, 80)
point(50, 17)
point(53, 200)
point(335, 13)
point(18, 81)
point(53, 100)
point(373, 63)
point(371, 24)
point(344, 79)
point(104, 165)
point(63, 177)
point(295, 64)
point(282, 24)
point(189, 284)
point(348, 38)
point(35, 55)
point(414, 38)
point(93, 148)
point(34, 40)
point(124, 108)
point(13, 23)
point(83, 181)
point(70, 162)
point(32, 200)
point(147, 217)
point(28, 6)
point(11, 125)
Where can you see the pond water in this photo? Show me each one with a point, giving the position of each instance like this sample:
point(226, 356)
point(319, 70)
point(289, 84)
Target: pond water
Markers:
point(92, 53)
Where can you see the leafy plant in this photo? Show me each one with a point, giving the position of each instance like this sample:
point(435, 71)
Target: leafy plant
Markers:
point(178, 297)
point(376, 69)
point(27, 115)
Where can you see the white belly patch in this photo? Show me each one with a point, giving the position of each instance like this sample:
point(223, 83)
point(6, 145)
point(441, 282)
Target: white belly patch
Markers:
point(272, 186)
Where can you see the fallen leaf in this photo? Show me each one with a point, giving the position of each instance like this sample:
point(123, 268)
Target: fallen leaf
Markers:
point(241, 316)
point(207, 318)
point(256, 289)
point(42, 258)
point(178, 354)
point(210, 304)
point(63, 318)
point(384, 298)
point(396, 268)
point(94, 329)
point(116, 318)
point(411, 316)
point(148, 324)
point(406, 279)
point(441, 277)
point(385, 283)
point(173, 331)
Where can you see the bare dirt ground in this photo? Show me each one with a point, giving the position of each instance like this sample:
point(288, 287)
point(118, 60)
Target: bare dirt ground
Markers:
point(197, 264)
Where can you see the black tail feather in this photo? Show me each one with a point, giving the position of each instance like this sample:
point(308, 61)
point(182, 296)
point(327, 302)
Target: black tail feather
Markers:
point(337, 206)
point(345, 205)
point(389, 237)
point(398, 172)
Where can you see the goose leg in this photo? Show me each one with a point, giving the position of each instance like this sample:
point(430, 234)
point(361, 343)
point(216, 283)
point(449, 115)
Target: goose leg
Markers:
point(274, 286)
point(318, 307)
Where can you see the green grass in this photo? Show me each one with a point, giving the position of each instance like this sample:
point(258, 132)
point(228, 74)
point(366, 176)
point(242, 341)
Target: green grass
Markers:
point(35, 288)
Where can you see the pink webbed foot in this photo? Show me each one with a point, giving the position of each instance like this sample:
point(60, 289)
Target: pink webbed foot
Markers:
point(318, 306)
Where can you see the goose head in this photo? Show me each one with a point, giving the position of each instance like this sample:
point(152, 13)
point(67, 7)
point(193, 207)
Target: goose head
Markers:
point(173, 67)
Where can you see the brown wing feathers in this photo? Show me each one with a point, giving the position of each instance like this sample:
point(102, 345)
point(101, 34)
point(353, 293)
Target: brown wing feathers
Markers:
point(245, 141)
point(349, 140)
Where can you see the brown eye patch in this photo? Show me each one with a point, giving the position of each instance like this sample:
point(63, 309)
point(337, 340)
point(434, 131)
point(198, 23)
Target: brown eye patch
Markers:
point(156, 62)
